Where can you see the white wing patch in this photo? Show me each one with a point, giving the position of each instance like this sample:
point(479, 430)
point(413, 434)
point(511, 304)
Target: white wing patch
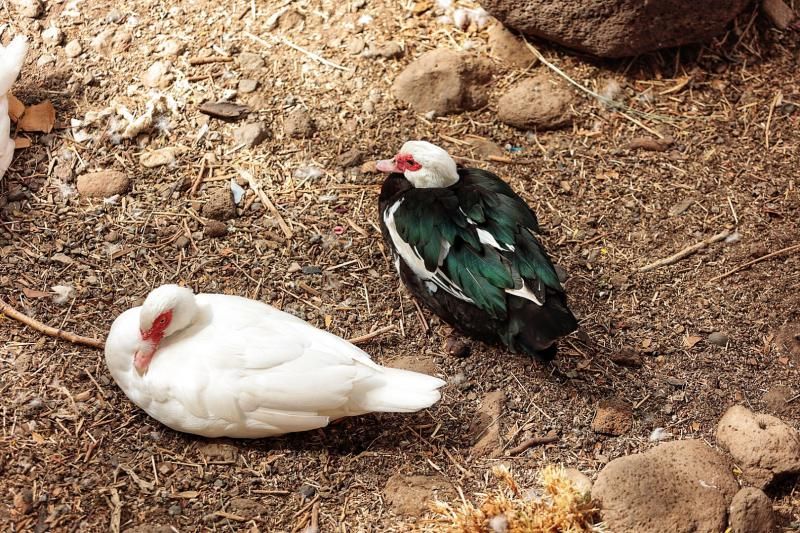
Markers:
point(414, 260)
point(487, 238)
point(526, 293)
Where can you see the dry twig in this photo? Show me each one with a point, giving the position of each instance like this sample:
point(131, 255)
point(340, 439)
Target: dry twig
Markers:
point(686, 252)
point(757, 260)
point(369, 336)
point(10, 312)
point(267, 202)
point(533, 441)
point(209, 59)
point(290, 44)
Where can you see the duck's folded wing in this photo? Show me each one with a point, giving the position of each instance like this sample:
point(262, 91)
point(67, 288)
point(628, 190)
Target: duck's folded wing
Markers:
point(476, 242)
point(289, 375)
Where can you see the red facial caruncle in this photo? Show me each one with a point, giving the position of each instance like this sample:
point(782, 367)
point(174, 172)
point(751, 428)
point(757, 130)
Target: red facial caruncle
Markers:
point(406, 162)
point(156, 331)
point(151, 338)
point(400, 163)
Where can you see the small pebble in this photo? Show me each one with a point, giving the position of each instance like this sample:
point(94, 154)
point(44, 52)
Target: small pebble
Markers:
point(457, 347)
point(215, 228)
point(175, 510)
point(52, 36)
point(182, 242)
point(718, 338)
point(247, 86)
point(307, 491)
point(251, 134)
point(675, 382)
point(73, 48)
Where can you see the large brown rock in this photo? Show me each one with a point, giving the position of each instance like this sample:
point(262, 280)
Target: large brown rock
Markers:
point(751, 512)
point(103, 184)
point(444, 81)
point(542, 102)
point(762, 445)
point(678, 486)
point(617, 28)
point(509, 48)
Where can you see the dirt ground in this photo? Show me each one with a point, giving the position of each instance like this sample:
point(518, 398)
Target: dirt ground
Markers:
point(75, 454)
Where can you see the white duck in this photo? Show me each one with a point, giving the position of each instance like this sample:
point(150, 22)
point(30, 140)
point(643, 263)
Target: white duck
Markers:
point(218, 365)
point(11, 59)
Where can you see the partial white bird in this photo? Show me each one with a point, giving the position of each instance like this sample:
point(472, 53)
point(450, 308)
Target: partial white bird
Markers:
point(218, 365)
point(11, 59)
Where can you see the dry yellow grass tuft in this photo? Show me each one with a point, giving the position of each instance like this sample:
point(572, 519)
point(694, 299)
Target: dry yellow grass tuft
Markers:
point(559, 508)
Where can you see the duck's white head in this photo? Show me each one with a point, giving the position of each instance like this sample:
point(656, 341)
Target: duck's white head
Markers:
point(424, 164)
point(166, 310)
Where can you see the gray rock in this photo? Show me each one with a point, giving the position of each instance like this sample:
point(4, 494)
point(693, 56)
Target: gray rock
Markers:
point(617, 28)
point(247, 86)
point(762, 445)
point(718, 338)
point(251, 134)
point(251, 62)
point(73, 48)
point(676, 487)
point(444, 81)
point(751, 512)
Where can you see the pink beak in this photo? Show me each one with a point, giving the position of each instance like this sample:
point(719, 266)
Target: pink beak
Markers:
point(387, 165)
point(141, 360)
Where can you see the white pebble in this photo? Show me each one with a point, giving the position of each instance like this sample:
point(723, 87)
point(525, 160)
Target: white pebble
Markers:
point(237, 190)
point(52, 36)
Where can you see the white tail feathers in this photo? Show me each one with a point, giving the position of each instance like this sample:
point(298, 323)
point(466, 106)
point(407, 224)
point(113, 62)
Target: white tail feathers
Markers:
point(399, 391)
point(11, 59)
